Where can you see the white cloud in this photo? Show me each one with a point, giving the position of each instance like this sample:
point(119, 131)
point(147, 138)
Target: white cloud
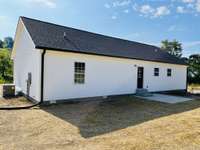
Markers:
point(161, 11)
point(180, 9)
point(126, 11)
point(186, 6)
point(190, 5)
point(48, 3)
point(135, 7)
point(198, 6)
point(107, 5)
point(188, 1)
point(121, 3)
point(114, 17)
point(193, 6)
point(191, 44)
point(146, 10)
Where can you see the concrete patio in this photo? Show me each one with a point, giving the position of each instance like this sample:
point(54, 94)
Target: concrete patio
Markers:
point(167, 98)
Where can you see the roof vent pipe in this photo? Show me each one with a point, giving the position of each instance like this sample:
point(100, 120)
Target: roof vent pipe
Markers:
point(65, 36)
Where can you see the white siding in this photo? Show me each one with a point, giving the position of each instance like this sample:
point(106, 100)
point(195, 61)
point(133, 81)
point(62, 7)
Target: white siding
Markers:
point(105, 76)
point(26, 59)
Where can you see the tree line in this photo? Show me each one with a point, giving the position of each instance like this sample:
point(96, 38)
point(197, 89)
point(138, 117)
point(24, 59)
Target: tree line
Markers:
point(6, 64)
point(173, 47)
point(7, 43)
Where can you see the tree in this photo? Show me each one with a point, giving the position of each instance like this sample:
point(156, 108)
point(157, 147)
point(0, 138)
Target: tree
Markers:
point(6, 73)
point(8, 42)
point(172, 47)
point(1, 44)
point(194, 68)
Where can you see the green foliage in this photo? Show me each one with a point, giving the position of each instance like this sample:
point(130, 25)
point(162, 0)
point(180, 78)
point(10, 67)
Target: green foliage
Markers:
point(194, 68)
point(172, 47)
point(175, 48)
point(8, 42)
point(1, 44)
point(2, 81)
point(6, 66)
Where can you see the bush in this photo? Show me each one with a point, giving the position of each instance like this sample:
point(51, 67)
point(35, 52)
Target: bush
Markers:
point(6, 66)
point(2, 81)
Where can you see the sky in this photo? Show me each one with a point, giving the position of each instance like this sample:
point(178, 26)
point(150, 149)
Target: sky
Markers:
point(147, 21)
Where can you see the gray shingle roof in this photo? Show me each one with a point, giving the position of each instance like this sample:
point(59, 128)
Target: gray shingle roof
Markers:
point(55, 37)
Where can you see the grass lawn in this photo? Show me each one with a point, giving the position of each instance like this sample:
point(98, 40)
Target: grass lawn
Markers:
point(123, 123)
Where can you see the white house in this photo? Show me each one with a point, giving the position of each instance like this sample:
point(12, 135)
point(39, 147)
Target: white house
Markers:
point(53, 62)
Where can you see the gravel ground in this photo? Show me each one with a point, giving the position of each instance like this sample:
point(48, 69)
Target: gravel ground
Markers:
point(124, 123)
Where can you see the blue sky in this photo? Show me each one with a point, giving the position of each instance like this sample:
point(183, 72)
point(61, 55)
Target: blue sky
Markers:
point(148, 21)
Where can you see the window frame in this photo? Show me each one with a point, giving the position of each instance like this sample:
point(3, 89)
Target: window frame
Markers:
point(169, 72)
point(79, 72)
point(156, 72)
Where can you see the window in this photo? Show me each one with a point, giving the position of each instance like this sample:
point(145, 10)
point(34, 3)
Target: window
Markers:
point(156, 71)
point(169, 72)
point(79, 73)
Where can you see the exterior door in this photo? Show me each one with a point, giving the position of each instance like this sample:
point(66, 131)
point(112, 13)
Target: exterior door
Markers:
point(140, 77)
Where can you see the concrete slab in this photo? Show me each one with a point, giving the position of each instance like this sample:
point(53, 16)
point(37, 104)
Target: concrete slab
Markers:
point(196, 91)
point(167, 98)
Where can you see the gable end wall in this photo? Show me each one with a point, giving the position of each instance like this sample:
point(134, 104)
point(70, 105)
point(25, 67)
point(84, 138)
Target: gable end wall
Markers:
point(26, 59)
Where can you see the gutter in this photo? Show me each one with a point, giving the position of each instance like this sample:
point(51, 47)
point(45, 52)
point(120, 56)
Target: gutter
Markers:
point(109, 55)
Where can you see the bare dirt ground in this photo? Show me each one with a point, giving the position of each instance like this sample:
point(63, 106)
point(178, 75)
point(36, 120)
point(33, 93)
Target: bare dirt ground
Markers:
point(123, 123)
point(194, 88)
point(17, 101)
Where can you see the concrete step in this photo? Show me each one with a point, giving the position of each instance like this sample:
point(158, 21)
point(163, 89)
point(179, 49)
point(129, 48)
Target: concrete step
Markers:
point(143, 92)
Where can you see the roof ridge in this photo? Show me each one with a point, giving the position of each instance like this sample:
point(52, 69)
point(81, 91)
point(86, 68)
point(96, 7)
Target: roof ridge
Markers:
point(81, 30)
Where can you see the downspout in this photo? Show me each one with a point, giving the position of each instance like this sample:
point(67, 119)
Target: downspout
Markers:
point(42, 77)
point(187, 80)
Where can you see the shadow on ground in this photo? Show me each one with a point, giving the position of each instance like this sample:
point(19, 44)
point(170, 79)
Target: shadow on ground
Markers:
point(99, 117)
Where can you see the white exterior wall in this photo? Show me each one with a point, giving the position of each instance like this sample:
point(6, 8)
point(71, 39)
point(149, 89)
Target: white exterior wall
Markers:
point(105, 76)
point(26, 59)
